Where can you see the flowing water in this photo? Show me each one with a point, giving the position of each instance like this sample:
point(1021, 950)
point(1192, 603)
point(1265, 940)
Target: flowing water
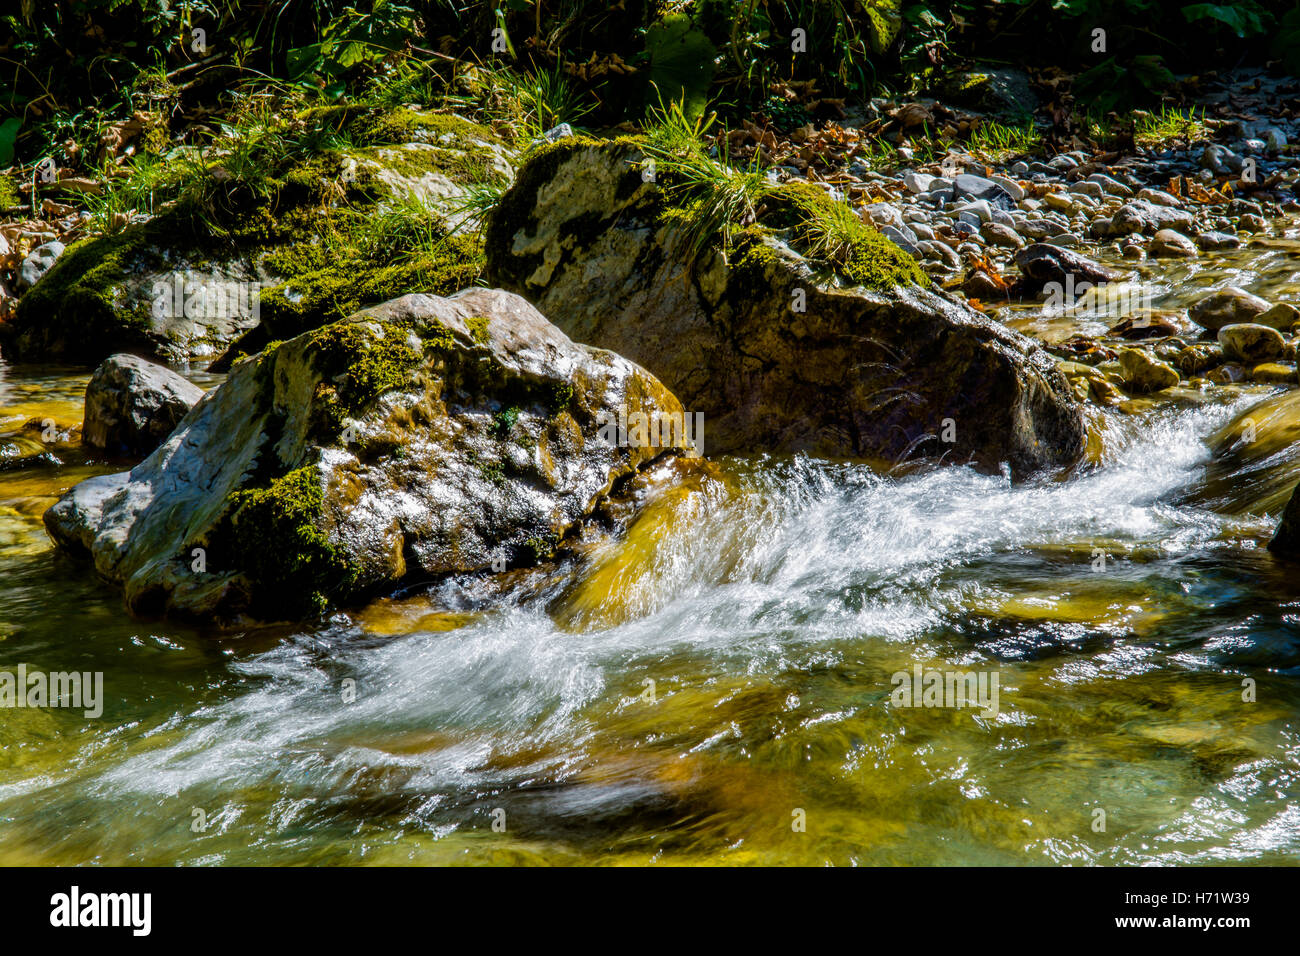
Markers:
point(714, 686)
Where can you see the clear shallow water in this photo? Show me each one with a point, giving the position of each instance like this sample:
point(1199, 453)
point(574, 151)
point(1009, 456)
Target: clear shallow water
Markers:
point(770, 604)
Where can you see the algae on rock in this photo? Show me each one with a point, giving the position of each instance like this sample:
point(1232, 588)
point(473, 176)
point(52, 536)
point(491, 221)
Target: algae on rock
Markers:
point(846, 356)
point(291, 249)
point(421, 437)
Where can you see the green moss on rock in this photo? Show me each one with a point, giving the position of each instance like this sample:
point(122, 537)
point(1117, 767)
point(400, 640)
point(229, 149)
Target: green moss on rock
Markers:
point(869, 258)
point(277, 537)
point(325, 289)
point(362, 365)
point(878, 263)
point(478, 328)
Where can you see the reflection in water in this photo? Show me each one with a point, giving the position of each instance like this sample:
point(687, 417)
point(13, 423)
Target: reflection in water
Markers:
point(690, 688)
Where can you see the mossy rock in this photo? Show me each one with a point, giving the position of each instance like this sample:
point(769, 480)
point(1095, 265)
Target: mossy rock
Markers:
point(293, 253)
point(421, 437)
point(849, 357)
point(1003, 92)
point(118, 293)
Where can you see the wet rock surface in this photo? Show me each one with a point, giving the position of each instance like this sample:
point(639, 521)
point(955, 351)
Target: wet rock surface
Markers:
point(132, 405)
point(420, 437)
point(776, 357)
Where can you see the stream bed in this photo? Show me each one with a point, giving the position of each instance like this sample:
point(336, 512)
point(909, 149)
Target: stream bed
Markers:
point(715, 685)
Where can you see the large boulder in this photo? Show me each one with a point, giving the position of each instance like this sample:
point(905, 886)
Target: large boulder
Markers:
point(132, 405)
point(417, 438)
point(282, 249)
point(778, 355)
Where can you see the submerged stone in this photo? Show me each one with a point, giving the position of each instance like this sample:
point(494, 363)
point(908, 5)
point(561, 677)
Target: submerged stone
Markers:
point(1250, 343)
point(1230, 306)
point(1143, 373)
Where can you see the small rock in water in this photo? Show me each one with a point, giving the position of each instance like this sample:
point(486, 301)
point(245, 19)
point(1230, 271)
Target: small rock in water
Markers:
point(1241, 207)
point(1172, 244)
point(1144, 325)
point(1212, 240)
point(1043, 262)
point(1230, 306)
point(1229, 374)
point(1145, 374)
point(1252, 223)
point(132, 405)
point(1201, 357)
point(1281, 317)
point(980, 285)
point(1251, 343)
point(1274, 373)
point(1064, 240)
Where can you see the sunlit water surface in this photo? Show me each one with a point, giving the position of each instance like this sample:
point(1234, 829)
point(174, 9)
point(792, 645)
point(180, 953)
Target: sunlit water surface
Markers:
point(694, 689)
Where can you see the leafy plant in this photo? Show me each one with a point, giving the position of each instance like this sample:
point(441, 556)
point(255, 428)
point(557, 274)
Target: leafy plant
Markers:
point(1110, 83)
point(1244, 17)
point(350, 40)
point(680, 60)
point(8, 134)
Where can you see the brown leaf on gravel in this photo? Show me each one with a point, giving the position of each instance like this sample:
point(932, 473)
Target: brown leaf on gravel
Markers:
point(116, 137)
point(79, 184)
point(912, 115)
